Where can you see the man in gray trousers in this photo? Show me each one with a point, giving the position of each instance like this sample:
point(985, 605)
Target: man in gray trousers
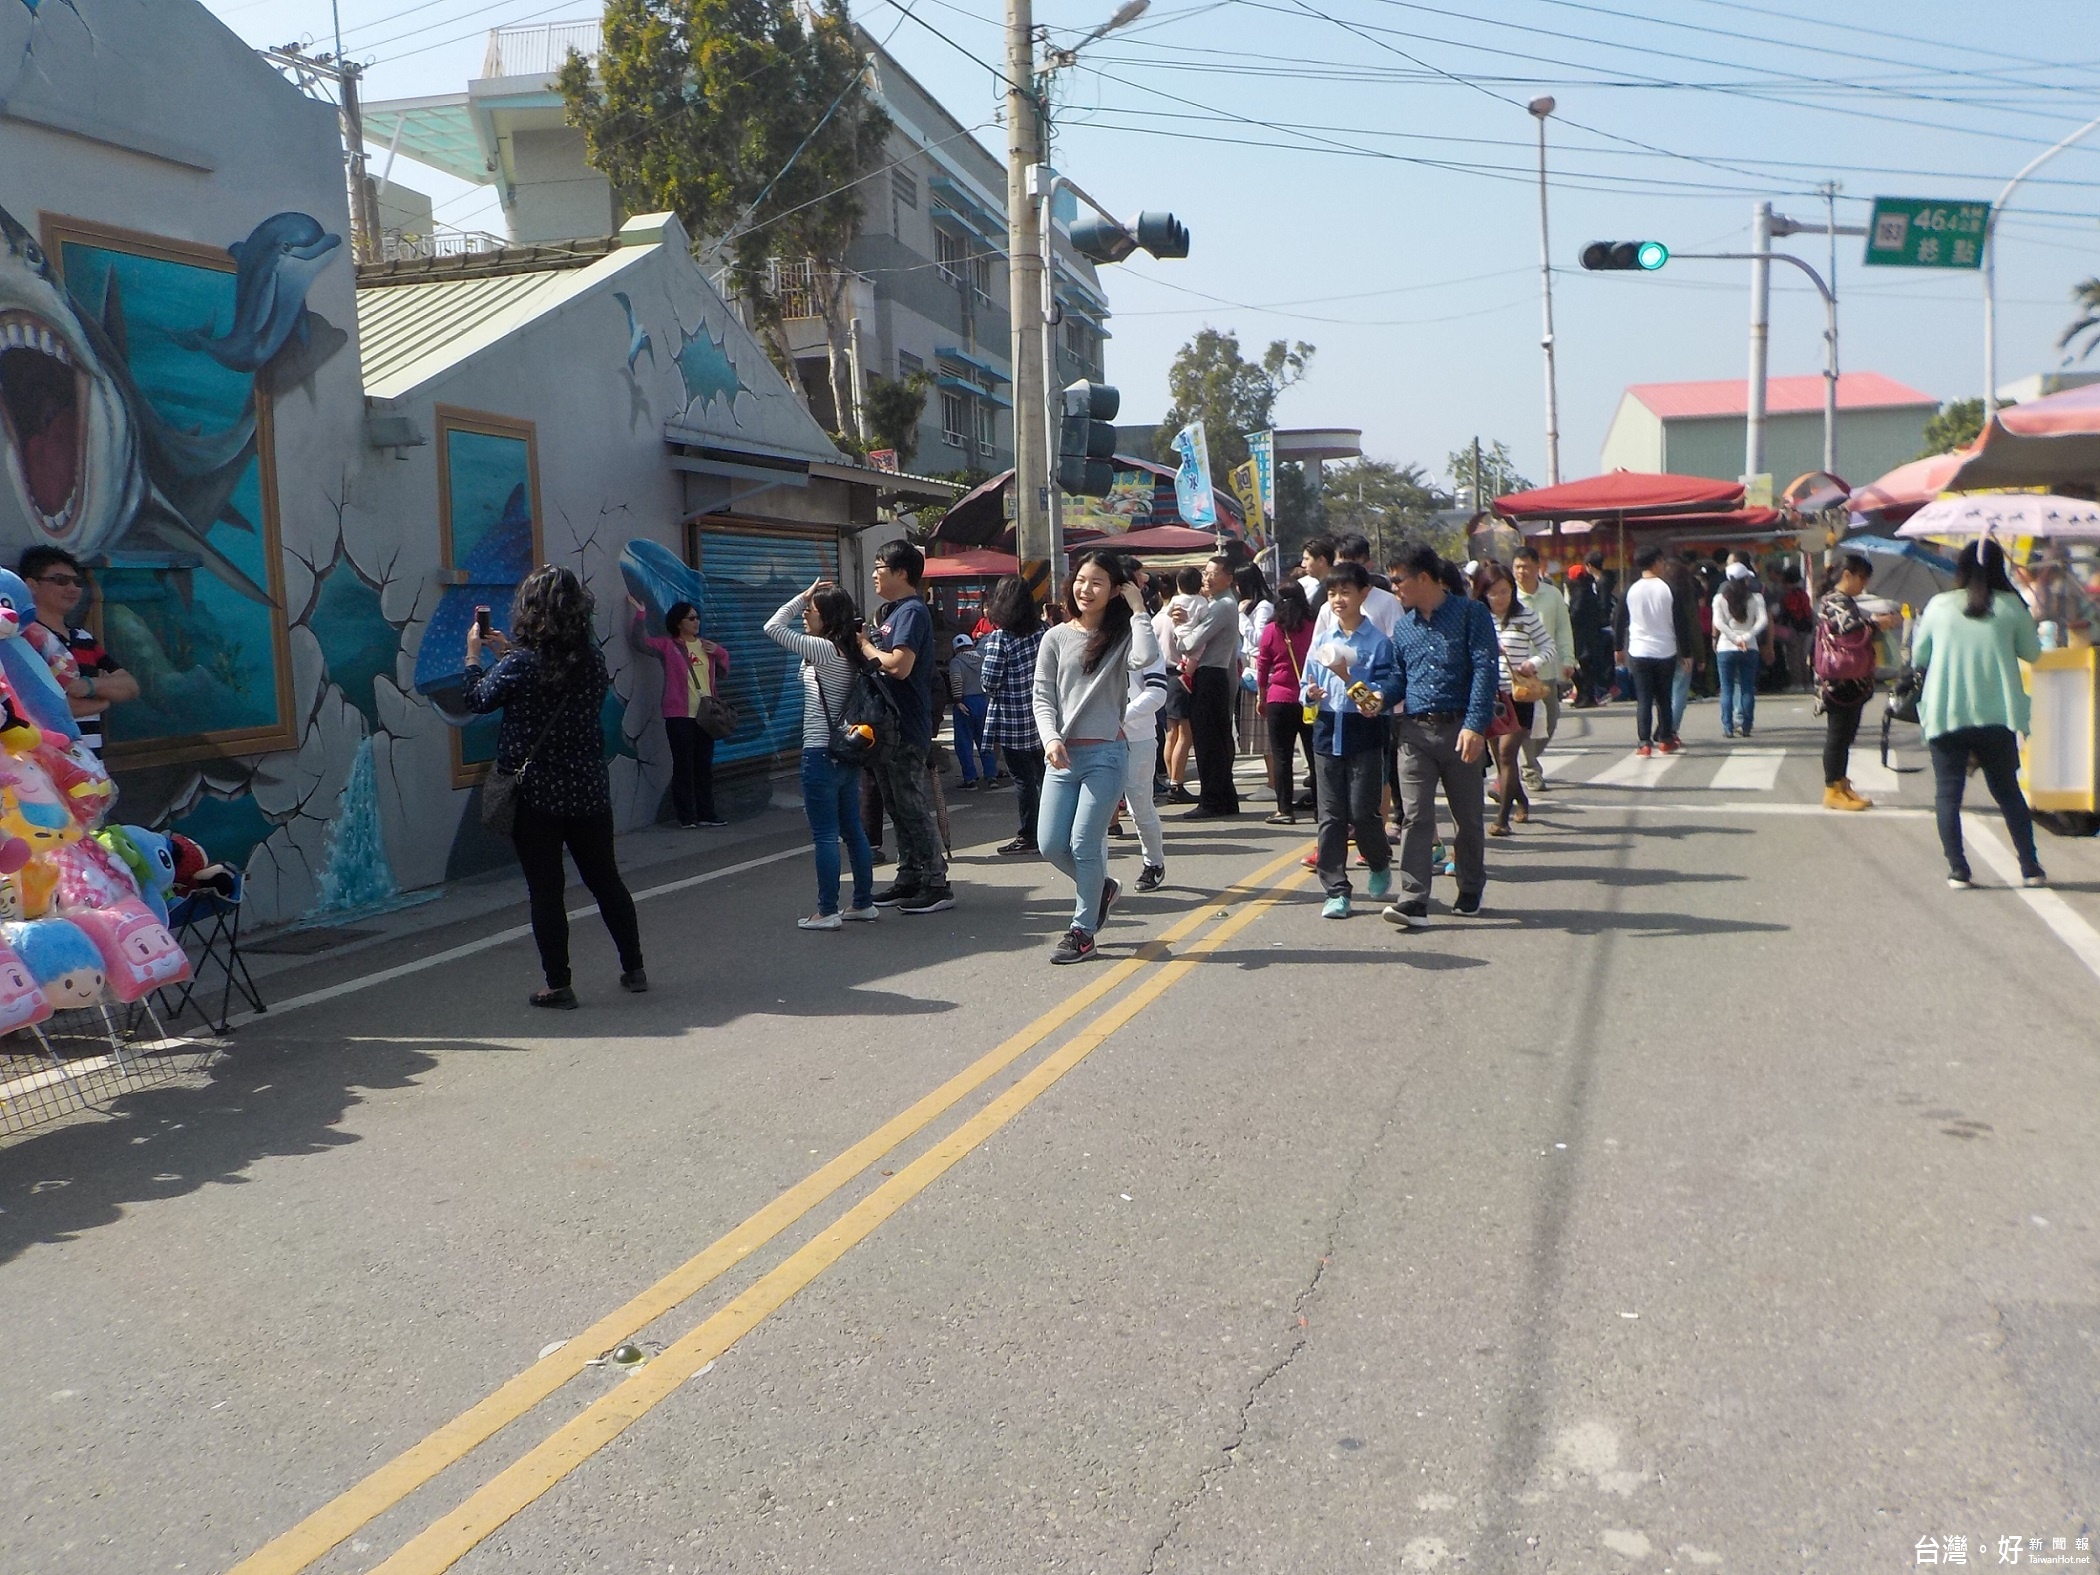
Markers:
point(1448, 656)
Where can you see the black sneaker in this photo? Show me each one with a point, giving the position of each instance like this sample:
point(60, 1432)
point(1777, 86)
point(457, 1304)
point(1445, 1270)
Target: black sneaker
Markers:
point(1077, 946)
point(635, 981)
point(1152, 877)
point(1018, 845)
point(1467, 906)
point(934, 899)
point(894, 895)
point(561, 1000)
point(877, 856)
point(1111, 889)
point(1121, 832)
point(1180, 795)
point(1409, 915)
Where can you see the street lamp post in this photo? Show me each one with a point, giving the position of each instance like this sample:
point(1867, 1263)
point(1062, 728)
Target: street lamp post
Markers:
point(1540, 109)
point(1990, 263)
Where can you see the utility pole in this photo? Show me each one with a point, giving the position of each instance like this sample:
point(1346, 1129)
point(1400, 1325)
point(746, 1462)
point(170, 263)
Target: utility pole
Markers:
point(310, 73)
point(1540, 108)
point(1990, 264)
point(1025, 285)
point(1830, 376)
point(1760, 340)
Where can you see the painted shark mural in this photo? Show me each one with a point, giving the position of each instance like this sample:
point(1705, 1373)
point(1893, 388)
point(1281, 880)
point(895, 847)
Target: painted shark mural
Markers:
point(93, 462)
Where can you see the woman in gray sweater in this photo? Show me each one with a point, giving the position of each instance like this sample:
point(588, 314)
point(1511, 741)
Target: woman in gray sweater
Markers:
point(1082, 680)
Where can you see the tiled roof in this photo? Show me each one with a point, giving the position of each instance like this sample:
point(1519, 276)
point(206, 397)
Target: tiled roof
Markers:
point(1783, 396)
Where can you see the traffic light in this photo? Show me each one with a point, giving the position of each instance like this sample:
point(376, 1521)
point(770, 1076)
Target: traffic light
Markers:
point(1086, 447)
point(1106, 241)
point(1625, 256)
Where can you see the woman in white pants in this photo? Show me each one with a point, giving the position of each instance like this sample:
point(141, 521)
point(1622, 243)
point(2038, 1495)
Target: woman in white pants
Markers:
point(1148, 692)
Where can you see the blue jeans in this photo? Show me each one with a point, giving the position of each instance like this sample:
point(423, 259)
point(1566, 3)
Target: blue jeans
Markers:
point(1072, 825)
point(831, 799)
point(972, 753)
point(1738, 689)
point(1680, 696)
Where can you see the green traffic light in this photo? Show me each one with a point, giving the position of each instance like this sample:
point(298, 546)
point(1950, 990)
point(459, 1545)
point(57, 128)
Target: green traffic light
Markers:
point(1652, 255)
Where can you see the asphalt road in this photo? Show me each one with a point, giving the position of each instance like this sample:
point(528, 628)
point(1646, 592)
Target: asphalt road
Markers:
point(1722, 1199)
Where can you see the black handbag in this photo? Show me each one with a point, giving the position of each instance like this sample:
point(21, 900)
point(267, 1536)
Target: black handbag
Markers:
point(499, 789)
point(717, 717)
point(866, 726)
point(1906, 689)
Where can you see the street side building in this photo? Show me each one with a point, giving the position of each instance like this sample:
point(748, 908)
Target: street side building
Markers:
point(1698, 429)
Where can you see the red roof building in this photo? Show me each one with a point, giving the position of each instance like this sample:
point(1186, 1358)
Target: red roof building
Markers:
point(1697, 429)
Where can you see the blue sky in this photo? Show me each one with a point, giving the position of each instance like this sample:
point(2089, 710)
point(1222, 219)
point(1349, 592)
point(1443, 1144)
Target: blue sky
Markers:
point(1360, 174)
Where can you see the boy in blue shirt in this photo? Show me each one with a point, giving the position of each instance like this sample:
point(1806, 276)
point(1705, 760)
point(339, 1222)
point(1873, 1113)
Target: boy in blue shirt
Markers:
point(1352, 677)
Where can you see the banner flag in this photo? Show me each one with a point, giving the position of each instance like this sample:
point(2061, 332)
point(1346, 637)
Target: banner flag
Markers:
point(1192, 486)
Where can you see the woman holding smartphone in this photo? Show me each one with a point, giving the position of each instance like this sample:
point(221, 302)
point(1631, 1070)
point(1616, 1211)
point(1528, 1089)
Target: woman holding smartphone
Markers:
point(1082, 684)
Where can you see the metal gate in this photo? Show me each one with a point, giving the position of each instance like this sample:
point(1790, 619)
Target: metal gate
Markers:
point(748, 572)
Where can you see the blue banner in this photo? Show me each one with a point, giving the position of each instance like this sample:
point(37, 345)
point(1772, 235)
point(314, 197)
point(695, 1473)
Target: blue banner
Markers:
point(1192, 488)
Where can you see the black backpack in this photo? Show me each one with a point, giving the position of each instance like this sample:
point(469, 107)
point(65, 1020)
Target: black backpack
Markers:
point(867, 725)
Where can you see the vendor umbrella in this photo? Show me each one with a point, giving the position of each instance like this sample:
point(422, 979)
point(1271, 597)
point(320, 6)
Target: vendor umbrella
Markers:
point(2053, 441)
point(2006, 515)
point(979, 563)
point(1907, 488)
point(1622, 494)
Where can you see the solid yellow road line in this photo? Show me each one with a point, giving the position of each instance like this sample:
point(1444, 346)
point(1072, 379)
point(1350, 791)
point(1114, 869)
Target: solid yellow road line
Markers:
point(420, 1462)
point(450, 1538)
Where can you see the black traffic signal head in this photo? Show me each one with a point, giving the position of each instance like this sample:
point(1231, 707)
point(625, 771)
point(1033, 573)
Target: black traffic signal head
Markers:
point(1086, 447)
point(1106, 241)
point(1625, 256)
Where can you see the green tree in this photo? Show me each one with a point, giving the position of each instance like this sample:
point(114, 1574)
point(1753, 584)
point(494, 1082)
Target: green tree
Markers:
point(891, 412)
point(1499, 475)
point(750, 120)
point(1212, 382)
point(1954, 425)
point(2086, 297)
point(1390, 504)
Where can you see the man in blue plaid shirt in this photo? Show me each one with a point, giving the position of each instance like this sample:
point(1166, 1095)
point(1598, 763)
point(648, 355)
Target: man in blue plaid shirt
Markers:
point(1009, 685)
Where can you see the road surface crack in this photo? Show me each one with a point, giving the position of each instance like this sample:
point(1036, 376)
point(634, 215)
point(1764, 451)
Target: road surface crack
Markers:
point(1301, 1336)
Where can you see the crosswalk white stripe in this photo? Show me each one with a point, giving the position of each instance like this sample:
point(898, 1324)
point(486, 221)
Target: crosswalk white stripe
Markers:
point(1870, 776)
point(1634, 771)
point(1749, 771)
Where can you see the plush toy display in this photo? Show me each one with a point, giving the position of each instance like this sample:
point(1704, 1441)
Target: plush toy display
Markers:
point(150, 858)
point(138, 954)
point(195, 871)
point(21, 997)
point(60, 957)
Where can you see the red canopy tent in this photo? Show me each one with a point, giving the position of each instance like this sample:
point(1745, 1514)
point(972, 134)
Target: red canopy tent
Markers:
point(979, 563)
point(1907, 488)
point(1156, 538)
point(1622, 495)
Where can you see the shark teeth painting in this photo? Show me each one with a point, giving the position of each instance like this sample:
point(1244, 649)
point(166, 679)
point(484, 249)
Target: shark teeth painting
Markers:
point(91, 459)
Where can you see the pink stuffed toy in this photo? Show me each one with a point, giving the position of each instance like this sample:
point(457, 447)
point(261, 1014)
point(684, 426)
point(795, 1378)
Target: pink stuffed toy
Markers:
point(138, 953)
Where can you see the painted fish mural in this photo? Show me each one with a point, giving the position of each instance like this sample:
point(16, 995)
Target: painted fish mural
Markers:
point(274, 268)
point(493, 569)
point(91, 460)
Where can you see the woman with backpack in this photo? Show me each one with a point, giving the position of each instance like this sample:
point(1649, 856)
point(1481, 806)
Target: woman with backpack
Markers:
point(1971, 641)
point(550, 683)
point(829, 645)
point(1845, 659)
point(1082, 684)
point(1740, 628)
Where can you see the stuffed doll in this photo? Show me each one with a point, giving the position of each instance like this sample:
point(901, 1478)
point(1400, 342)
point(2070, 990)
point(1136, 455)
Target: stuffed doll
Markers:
point(137, 952)
point(149, 856)
point(66, 965)
point(21, 997)
point(196, 871)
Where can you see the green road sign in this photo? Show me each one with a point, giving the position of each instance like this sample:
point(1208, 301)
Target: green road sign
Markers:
point(1916, 232)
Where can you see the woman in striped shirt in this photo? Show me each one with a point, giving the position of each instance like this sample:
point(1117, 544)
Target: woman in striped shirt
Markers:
point(829, 645)
point(1008, 676)
point(1527, 651)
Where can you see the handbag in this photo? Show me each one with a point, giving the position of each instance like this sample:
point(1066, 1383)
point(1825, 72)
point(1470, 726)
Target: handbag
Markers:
point(717, 717)
point(1505, 719)
point(1526, 688)
point(500, 788)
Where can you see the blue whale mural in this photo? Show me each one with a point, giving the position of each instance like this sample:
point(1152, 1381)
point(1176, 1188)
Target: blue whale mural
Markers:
point(493, 569)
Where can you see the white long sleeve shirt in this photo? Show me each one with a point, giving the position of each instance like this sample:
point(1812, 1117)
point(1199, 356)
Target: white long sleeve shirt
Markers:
point(1739, 634)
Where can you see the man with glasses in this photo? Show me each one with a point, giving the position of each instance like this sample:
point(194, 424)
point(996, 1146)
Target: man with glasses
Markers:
point(92, 681)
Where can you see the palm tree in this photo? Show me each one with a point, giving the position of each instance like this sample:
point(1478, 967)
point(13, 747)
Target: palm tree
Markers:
point(2086, 297)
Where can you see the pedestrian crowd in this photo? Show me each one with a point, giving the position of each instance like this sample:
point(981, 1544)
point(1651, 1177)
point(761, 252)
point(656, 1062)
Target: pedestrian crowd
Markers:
point(1432, 689)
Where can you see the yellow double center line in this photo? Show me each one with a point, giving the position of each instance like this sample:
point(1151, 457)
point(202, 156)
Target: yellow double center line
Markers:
point(447, 1540)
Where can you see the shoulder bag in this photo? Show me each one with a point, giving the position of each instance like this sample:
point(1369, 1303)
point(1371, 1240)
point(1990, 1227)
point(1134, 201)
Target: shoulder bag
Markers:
point(867, 724)
point(500, 788)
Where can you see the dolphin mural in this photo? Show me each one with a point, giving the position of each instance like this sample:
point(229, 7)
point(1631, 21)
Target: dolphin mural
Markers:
point(274, 268)
point(638, 338)
point(93, 463)
point(493, 568)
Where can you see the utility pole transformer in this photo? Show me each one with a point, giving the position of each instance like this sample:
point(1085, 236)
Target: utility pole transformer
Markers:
point(1025, 286)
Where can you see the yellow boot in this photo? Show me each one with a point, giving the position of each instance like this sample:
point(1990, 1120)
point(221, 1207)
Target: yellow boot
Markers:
point(1839, 795)
point(1859, 799)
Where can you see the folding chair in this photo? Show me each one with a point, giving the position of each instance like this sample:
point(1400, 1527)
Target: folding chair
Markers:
point(213, 923)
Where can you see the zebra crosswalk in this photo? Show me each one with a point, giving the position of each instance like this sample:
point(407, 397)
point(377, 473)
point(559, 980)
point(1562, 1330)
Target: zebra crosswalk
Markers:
point(1749, 768)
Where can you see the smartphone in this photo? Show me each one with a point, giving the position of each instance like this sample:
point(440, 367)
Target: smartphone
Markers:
point(481, 622)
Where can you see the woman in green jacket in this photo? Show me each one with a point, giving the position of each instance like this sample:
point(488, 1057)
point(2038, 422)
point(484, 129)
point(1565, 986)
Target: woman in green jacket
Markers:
point(1971, 641)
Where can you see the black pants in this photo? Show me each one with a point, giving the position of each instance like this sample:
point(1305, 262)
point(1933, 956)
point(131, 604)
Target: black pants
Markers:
point(1349, 791)
point(692, 770)
point(1596, 668)
point(1210, 718)
point(1653, 677)
point(1288, 731)
point(1027, 767)
point(1997, 750)
point(1840, 727)
point(539, 840)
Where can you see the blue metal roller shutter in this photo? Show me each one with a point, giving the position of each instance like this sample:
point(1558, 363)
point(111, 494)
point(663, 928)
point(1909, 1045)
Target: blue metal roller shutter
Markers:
point(748, 573)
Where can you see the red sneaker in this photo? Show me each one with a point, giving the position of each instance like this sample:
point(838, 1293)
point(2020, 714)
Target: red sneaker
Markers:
point(1670, 746)
point(1645, 751)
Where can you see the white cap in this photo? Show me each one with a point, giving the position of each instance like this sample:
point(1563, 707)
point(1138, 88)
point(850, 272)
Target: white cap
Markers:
point(1741, 571)
point(962, 640)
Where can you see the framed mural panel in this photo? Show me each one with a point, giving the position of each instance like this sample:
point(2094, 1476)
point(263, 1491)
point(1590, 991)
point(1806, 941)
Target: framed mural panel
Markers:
point(174, 491)
point(748, 570)
point(488, 539)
